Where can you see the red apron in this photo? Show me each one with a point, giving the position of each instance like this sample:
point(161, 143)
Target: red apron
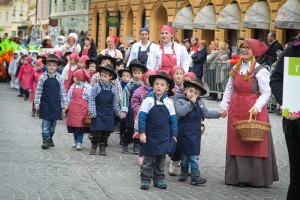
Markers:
point(168, 61)
point(37, 75)
point(241, 102)
point(24, 82)
point(69, 81)
point(78, 108)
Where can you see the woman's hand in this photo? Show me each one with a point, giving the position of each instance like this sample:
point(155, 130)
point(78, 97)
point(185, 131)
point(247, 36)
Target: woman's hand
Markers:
point(253, 111)
point(143, 138)
point(292, 116)
point(223, 113)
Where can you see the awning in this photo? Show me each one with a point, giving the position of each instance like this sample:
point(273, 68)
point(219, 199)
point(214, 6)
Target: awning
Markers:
point(288, 16)
point(206, 18)
point(258, 16)
point(230, 17)
point(184, 19)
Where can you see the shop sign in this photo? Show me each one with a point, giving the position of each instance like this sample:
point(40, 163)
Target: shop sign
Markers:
point(112, 21)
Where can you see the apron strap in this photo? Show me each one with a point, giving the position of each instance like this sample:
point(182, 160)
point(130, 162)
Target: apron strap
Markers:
point(100, 86)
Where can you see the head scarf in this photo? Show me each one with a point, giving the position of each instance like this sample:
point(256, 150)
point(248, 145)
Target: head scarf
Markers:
point(167, 28)
point(148, 73)
point(174, 69)
point(81, 75)
point(114, 38)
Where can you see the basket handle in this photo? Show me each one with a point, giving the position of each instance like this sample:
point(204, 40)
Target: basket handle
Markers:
point(251, 117)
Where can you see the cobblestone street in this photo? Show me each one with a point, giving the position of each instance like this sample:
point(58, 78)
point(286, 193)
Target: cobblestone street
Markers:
point(61, 172)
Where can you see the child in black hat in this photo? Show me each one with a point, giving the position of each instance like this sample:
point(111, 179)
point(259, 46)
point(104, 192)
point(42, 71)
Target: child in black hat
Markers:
point(157, 127)
point(103, 103)
point(50, 94)
point(190, 111)
point(137, 70)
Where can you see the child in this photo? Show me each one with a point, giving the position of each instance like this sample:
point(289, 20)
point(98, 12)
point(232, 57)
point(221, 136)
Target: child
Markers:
point(91, 65)
point(188, 76)
point(119, 66)
point(49, 96)
point(13, 66)
point(137, 69)
point(125, 75)
point(78, 106)
point(68, 71)
point(25, 74)
point(190, 111)
point(21, 62)
point(34, 79)
point(82, 62)
point(158, 128)
point(103, 102)
point(63, 63)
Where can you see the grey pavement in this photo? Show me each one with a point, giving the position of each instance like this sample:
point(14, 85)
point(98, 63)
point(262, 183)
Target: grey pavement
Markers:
point(28, 172)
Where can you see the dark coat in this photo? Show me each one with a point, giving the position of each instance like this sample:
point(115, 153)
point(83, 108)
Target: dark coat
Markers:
point(289, 127)
point(199, 57)
point(92, 53)
point(271, 56)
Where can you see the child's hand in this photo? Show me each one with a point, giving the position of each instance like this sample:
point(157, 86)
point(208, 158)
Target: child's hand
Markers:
point(135, 134)
point(193, 99)
point(223, 113)
point(143, 138)
point(65, 107)
point(123, 115)
point(29, 90)
point(37, 107)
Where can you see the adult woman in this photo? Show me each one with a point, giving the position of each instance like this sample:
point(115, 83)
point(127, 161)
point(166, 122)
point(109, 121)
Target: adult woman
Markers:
point(111, 42)
point(223, 52)
point(211, 57)
point(247, 92)
point(89, 48)
point(187, 44)
point(168, 54)
point(47, 42)
point(71, 45)
point(199, 57)
point(60, 42)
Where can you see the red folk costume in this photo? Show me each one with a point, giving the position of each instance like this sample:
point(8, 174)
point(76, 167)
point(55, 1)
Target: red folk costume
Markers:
point(34, 79)
point(25, 73)
point(69, 81)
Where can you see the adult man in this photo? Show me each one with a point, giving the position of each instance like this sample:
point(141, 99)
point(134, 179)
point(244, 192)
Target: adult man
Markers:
point(291, 123)
point(235, 56)
point(141, 49)
point(271, 56)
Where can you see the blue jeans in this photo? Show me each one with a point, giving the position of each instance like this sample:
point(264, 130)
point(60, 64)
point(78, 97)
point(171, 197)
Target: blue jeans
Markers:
point(78, 137)
point(185, 161)
point(48, 128)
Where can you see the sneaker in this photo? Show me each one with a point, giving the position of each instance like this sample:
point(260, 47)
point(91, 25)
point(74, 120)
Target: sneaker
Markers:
point(20, 95)
point(74, 145)
point(172, 168)
point(198, 181)
point(140, 160)
point(90, 136)
point(51, 143)
point(182, 178)
point(125, 149)
point(79, 146)
point(136, 149)
point(93, 150)
point(160, 185)
point(145, 186)
point(45, 144)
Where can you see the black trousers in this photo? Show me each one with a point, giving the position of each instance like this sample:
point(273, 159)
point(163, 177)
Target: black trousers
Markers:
point(293, 146)
point(100, 137)
point(128, 134)
point(122, 129)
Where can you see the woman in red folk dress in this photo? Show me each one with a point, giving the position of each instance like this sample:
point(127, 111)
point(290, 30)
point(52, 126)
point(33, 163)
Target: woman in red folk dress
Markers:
point(34, 79)
point(25, 74)
point(247, 91)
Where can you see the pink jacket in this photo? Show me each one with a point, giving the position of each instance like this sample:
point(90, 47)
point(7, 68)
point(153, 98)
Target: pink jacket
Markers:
point(138, 97)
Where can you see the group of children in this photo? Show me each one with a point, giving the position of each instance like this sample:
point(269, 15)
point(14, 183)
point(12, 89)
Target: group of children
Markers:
point(159, 114)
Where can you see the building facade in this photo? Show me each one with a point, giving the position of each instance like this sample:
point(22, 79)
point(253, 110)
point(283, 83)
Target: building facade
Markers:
point(43, 17)
point(207, 19)
point(69, 16)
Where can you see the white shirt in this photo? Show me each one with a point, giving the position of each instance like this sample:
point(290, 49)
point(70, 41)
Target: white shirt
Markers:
point(135, 49)
point(65, 72)
point(263, 79)
point(154, 58)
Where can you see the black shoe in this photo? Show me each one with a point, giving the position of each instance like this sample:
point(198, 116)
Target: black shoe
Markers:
point(93, 149)
point(198, 181)
point(183, 178)
point(45, 144)
point(102, 149)
point(145, 186)
point(20, 95)
point(51, 143)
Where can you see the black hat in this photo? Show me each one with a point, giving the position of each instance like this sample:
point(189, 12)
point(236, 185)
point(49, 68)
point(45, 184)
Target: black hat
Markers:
point(163, 75)
point(89, 61)
point(126, 69)
point(120, 62)
point(100, 57)
point(63, 60)
point(197, 83)
point(137, 63)
point(67, 54)
point(110, 69)
point(52, 58)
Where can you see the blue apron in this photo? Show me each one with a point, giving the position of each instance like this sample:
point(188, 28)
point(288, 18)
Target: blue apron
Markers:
point(189, 132)
point(143, 55)
point(50, 105)
point(159, 140)
point(129, 121)
point(105, 111)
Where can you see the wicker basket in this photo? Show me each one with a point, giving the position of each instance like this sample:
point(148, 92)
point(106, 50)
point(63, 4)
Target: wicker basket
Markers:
point(202, 128)
point(87, 121)
point(252, 130)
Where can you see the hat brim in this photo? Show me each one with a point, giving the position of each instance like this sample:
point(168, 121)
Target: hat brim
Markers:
point(143, 67)
point(110, 71)
point(188, 83)
point(42, 57)
point(120, 72)
point(63, 61)
point(90, 61)
point(51, 60)
point(170, 81)
point(99, 59)
point(67, 53)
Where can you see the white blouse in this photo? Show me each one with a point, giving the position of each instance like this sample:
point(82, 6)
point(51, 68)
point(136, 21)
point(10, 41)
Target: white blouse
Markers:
point(154, 58)
point(263, 79)
point(65, 72)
